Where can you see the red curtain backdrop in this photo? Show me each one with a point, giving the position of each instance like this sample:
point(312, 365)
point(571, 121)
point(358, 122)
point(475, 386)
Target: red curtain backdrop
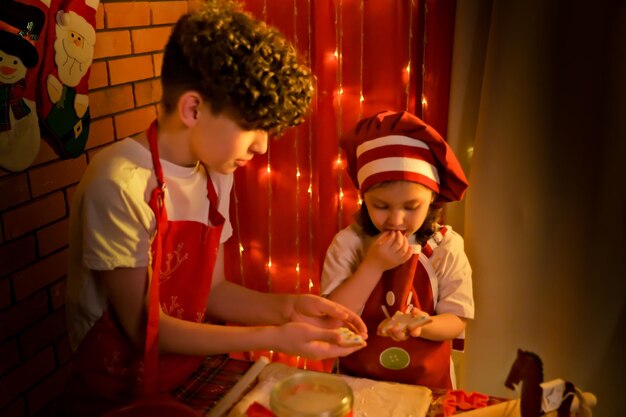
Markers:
point(367, 56)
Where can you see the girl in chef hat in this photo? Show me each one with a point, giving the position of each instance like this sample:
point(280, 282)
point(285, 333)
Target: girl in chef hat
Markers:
point(405, 273)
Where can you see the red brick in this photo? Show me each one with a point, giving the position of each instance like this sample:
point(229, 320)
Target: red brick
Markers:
point(157, 60)
point(26, 376)
point(63, 350)
point(127, 14)
point(151, 39)
point(46, 153)
point(57, 294)
point(14, 190)
point(147, 92)
point(112, 43)
point(98, 75)
point(57, 175)
point(135, 68)
point(22, 315)
point(100, 17)
point(33, 215)
point(69, 195)
point(39, 275)
point(164, 12)
point(195, 4)
point(53, 237)
point(100, 132)
point(135, 121)
point(111, 100)
point(9, 356)
point(47, 390)
point(55, 408)
point(5, 293)
point(43, 333)
point(16, 409)
point(15, 255)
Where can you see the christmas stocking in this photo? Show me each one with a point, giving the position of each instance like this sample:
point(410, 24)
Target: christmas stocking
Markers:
point(22, 29)
point(63, 101)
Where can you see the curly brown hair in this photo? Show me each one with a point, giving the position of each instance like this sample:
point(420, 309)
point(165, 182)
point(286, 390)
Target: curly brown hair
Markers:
point(239, 65)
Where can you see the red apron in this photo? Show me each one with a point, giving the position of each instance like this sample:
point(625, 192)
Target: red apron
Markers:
point(414, 361)
point(108, 371)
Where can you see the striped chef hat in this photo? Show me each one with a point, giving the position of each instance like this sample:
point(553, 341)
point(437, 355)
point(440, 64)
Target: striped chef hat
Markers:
point(392, 146)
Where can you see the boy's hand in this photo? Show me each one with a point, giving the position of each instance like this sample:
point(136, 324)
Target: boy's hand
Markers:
point(321, 312)
point(312, 342)
point(389, 250)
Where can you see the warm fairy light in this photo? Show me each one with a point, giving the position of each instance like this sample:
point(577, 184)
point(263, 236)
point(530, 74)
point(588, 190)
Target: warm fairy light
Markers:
point(310, 190)
point(340, 91)
point(269, 263)
point(470, 152)
point(310, 284)
point(338, 161)
point(360, 201)
point(336, 54)
point(424, 101)
point(361, 99)
point(298, 267)
point(269, 169)
point(297, 172)
point(410, 49)
point(341, 194)
point(236, 200)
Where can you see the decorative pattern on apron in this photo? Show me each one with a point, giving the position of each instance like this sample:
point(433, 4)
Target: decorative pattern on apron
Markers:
point(108, 370)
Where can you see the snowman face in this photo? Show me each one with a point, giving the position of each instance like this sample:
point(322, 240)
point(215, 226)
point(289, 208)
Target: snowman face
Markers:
point(11, 68)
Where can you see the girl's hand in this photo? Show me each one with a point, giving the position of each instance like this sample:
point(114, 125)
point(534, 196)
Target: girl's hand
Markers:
point(324, 313)
point(402, 326)
point(312, 342)
point(389, 250)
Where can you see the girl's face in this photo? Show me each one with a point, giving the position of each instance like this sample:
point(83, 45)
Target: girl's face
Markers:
point(222, 144)
point(398, 205)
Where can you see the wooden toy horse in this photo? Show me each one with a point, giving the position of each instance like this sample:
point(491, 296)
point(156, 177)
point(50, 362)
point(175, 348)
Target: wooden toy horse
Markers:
point(528, 368)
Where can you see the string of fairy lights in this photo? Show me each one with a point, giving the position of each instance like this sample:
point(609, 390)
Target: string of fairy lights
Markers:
point(302, 181)
point(339, 58)
point(410, 46)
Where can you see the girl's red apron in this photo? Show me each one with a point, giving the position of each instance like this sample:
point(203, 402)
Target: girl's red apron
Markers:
point(414, 361)
point(107, 370)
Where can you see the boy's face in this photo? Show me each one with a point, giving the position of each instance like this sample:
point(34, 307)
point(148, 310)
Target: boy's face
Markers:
point(219, 142)
point(398, 205)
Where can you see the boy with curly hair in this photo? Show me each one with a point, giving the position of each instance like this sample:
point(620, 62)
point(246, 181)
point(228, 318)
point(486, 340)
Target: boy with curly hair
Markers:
point(155, 209)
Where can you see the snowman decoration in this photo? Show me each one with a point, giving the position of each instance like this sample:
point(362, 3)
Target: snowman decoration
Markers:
point(20, 28)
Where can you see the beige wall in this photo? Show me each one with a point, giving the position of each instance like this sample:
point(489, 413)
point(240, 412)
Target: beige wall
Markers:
point(538, 91)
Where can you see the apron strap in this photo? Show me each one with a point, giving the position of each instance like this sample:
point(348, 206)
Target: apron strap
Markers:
point(215, 217)
point(157, 203)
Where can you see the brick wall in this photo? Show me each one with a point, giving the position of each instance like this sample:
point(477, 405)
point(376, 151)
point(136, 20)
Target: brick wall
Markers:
point(34, 204)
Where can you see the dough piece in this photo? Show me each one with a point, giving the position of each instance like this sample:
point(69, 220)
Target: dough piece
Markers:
point(403, 321)
point(349, 338)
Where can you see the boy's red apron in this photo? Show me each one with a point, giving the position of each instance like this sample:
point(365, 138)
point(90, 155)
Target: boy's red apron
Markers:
point(108, 370)
point(413, 361)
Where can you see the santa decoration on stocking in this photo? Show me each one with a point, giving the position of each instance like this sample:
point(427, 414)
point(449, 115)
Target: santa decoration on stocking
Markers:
point(64, 102)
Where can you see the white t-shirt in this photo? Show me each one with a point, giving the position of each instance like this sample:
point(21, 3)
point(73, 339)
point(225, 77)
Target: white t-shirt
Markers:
point(112, 224)
point(452, 289)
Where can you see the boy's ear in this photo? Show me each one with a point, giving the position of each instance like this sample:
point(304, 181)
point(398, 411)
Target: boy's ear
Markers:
point(189, 104)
